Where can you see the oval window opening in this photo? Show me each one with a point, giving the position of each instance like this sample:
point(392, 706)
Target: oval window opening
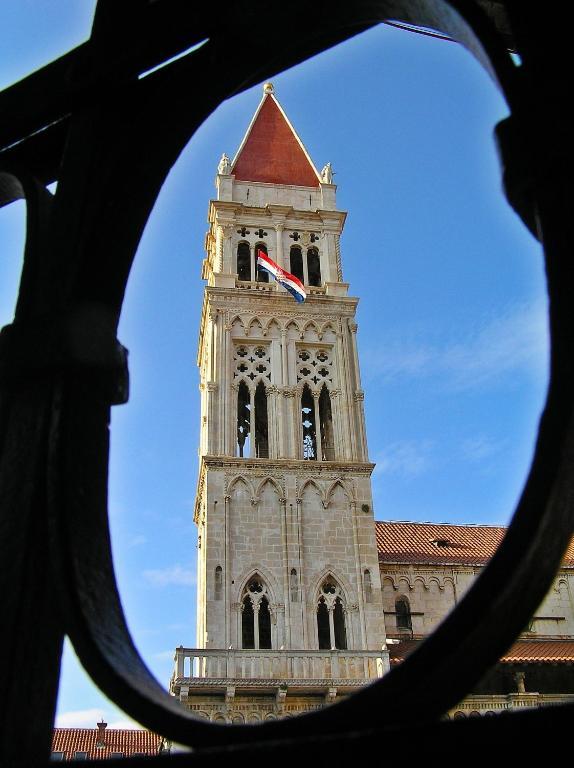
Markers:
point(13, 239)
point(440, 387)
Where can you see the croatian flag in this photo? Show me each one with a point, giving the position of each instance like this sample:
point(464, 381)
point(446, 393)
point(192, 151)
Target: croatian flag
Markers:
point(286, 279)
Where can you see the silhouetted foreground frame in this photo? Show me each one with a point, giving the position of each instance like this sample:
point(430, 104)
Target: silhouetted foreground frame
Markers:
point(110, 136)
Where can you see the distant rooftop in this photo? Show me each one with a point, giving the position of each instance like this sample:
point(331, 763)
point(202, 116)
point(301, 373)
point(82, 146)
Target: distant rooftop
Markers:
point(407, 542)
point(522, 652)
point(100, 743)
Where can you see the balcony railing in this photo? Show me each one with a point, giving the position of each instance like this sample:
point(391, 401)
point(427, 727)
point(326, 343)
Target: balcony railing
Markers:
point(203, 663)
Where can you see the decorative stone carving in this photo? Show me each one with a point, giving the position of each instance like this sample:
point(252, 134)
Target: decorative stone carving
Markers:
point(224, 167)
point(315, 367)
point(252, 364)
point(327, 174)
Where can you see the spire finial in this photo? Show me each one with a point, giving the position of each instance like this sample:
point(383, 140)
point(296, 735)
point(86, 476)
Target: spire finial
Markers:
point(268, 88)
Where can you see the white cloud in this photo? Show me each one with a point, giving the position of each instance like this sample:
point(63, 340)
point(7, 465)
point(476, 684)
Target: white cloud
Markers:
point(80, 718)
point(164, 655)
point(88, 718)
point(137, 541)
point(478, 448)
point(178, 575)
point(515, 341)
point(127, 724)
point(406, 458)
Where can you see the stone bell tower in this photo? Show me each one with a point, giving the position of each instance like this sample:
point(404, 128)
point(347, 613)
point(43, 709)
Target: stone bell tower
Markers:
point(289, 596)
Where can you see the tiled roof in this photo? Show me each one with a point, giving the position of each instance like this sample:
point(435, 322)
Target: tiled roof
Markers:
point(531, 651)
point(523, 652)
point(399, 542)
point(272, 152)
point(128, 742)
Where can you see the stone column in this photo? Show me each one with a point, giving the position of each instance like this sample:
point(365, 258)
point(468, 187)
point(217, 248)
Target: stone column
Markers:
point(331, 610)
point(279, 237)
point(299, 523)
point(228, 409)
point(212, 436)
point(519, 678)
point(252, 424)
point(272, 437)
point(256, 606)
point(338, 258)
point(337, 423)
point(231, 439)
point(253, 262)
point(225, 261)
point(291, 420)
point(286, 589)
point(347, 427)
point(227, 574)
point(359, 398)
point(359, 576)
point(318, 439)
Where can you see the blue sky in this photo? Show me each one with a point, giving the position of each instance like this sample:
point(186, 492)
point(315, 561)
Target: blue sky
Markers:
point(452, 328)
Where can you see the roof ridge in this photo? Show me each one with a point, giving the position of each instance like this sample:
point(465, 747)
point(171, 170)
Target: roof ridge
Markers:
point(450, 525)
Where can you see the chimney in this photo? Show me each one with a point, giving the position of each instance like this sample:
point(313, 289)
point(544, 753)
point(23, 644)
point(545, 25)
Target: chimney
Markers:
point(101, 734)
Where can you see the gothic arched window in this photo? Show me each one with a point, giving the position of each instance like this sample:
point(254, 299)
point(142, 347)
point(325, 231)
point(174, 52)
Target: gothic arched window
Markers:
point(368, 586)
point(261, 423)
point(296, 262)
point(244, 261)
point(326, 425)
point(403, 614)
point(313, 267)
point(331, 629)
point(308, 423)
point(218, 583)
point(261, 275)
point(243, 420)
point(293, 586)
point(255, 616)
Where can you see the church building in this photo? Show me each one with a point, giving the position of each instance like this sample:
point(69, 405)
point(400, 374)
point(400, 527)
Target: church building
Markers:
point(296, 580)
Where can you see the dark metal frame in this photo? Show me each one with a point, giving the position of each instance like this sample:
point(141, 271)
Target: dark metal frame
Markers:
point(110, 137)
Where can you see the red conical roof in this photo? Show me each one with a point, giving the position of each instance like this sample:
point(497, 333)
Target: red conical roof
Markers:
point(271, 150)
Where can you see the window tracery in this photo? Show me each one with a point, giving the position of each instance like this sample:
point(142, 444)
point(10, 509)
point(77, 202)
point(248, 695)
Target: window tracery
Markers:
point(315, 366)
point(252, 365)
point(255, 615)
point(331, 629)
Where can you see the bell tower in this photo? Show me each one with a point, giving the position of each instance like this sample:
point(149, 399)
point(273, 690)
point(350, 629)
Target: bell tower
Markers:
point(289, 594)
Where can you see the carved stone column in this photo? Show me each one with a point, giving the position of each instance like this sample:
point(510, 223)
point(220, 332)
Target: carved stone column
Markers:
point(227, 574)
point(337, 423)
point(318, 438)
point(291, 432)
point(279, 235)
point(271, 393)
point(225, 262)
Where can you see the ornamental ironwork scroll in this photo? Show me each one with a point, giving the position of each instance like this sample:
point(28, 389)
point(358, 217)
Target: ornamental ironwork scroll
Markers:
point(109, 133)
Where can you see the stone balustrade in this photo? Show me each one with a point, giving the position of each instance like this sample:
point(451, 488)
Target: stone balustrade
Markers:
point(242, 664)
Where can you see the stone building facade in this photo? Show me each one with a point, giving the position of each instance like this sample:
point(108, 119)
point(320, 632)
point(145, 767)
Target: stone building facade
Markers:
point(295, 585)
point(425, 570)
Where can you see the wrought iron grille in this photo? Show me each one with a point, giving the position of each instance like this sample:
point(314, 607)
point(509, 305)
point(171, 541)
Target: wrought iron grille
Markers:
point(87, 120)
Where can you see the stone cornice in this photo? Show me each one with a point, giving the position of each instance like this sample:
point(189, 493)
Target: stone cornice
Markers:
point(278, 303)
point(313, 468)
point(292, 682)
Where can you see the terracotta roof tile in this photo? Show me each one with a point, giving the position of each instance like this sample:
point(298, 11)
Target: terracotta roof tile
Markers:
point(272, 152)
point(531, 651)
point(128, 742)
point(523, 652)
point(404, 542)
